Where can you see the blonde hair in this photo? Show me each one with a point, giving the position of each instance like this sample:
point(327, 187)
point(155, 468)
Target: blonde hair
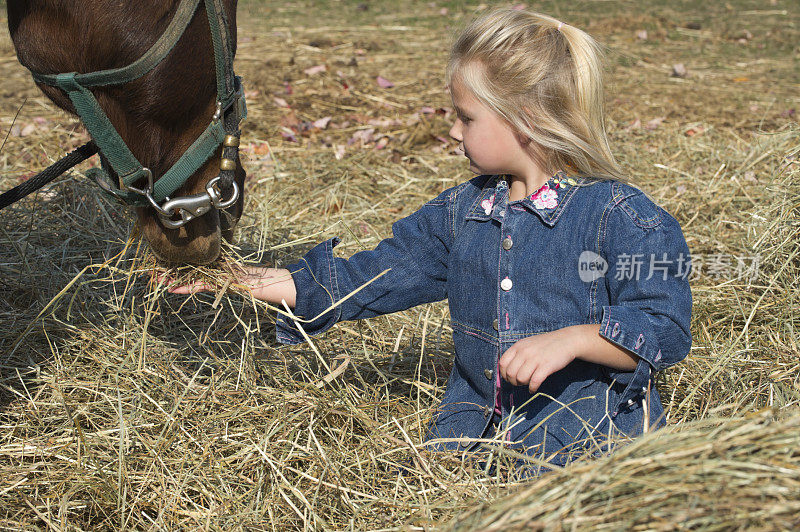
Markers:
point(545, 78)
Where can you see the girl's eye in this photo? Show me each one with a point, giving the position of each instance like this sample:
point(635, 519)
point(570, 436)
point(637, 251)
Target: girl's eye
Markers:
point(465, 119)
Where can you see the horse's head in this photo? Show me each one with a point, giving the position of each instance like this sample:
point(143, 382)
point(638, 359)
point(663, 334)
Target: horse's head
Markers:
point(158, 115)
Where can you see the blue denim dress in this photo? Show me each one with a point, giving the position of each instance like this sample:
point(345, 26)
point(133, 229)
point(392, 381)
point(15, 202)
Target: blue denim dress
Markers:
point(579, 251)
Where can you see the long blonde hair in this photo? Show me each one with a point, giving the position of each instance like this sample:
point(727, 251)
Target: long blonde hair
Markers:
point(545, 78)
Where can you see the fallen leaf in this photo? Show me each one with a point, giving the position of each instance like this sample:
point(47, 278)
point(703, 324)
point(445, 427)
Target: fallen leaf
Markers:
point(427, 110)
point(519, 7)
point(443, 11)
point(641, 35)
point(338, 151)
point(290, 120)
point(251, 95)
point(315, 70)
point(678, 70)
point(789, 113)
point(382, 142)
point(288, 134)
point(384, 83)
point(260, 148)
point(636, 124)
point(693, 131)
point(386, 122)
point(280, 102)
point(27, 130)
point(322, 123)
point(680, 189)
point(364, 136)
point(654, 123)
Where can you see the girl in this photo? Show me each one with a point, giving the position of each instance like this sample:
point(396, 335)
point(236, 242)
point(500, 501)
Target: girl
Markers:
point(567, 287)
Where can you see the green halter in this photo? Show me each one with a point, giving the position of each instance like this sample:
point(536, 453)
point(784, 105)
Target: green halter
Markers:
point(224, 127)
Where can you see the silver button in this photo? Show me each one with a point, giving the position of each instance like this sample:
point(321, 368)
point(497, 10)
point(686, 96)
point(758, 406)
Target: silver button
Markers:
point(496, 325)
point(644, 389)
point(502, 213)
point(507, 243)
point(630, 402)
point(506, 284)
point(488, 373)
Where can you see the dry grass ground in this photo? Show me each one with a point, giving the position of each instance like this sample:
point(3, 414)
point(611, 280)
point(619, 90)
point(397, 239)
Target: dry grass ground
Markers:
point(122, 407)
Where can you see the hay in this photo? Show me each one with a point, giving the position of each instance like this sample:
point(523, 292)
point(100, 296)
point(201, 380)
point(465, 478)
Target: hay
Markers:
point(122, 406)
point(717, 473)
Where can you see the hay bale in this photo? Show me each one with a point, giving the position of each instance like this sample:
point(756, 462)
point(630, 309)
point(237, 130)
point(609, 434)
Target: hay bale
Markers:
point(717, 473)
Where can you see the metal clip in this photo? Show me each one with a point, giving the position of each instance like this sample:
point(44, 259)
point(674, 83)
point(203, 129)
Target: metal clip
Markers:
point(191, 207)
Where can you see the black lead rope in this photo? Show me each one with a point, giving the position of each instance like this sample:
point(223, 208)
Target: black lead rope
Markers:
point(33, 184)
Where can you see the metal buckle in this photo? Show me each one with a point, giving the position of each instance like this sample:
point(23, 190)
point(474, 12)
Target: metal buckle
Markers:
point(146, 192)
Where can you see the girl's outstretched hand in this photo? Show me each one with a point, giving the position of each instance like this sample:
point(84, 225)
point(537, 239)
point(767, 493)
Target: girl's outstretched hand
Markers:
point(267, 284)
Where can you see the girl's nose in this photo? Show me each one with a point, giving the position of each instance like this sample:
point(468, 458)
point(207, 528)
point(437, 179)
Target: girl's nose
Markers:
point(455, 131)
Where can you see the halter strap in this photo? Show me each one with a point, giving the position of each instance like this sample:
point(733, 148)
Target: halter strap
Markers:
point(231, 109)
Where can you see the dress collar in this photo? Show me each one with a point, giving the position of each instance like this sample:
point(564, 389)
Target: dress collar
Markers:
point(548, 202)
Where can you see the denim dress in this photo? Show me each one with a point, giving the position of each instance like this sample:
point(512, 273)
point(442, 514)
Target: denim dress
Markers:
point(578, 251)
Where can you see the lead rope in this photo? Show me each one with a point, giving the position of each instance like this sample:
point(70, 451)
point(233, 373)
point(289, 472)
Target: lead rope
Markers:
point(33, 184)
point(226, 86)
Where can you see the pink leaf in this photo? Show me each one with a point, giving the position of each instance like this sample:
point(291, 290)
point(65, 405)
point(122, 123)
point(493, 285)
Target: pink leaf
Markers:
point(381, 144)
point(519, 7)
point(315, 70)
point(338, 151)
point(288, 134)
point(280, 102)
point(654, 123)
point(427, 110)
point(636, 124)
point(384, 83)
point(322, 123)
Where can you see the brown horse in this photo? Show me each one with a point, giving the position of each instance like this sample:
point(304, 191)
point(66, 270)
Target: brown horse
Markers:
point(158, 115)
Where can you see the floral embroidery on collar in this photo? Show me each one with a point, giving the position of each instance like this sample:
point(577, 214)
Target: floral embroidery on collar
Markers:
point(547, 197)
point(487, 205)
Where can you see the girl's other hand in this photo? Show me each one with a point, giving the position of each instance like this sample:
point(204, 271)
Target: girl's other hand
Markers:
point(531, 360)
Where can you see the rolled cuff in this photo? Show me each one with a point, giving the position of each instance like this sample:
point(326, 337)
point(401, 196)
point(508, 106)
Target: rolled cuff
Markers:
point(630, 328)
point(317, 289)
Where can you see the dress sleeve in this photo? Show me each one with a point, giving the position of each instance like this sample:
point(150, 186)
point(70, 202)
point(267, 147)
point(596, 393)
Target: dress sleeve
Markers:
point(649, 294)
point(416, 256)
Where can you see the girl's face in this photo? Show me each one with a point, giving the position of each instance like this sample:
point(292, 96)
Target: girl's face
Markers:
point(488, 141)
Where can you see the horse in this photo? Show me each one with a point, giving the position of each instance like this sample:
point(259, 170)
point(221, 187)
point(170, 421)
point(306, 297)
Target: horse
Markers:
point(158, 116)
